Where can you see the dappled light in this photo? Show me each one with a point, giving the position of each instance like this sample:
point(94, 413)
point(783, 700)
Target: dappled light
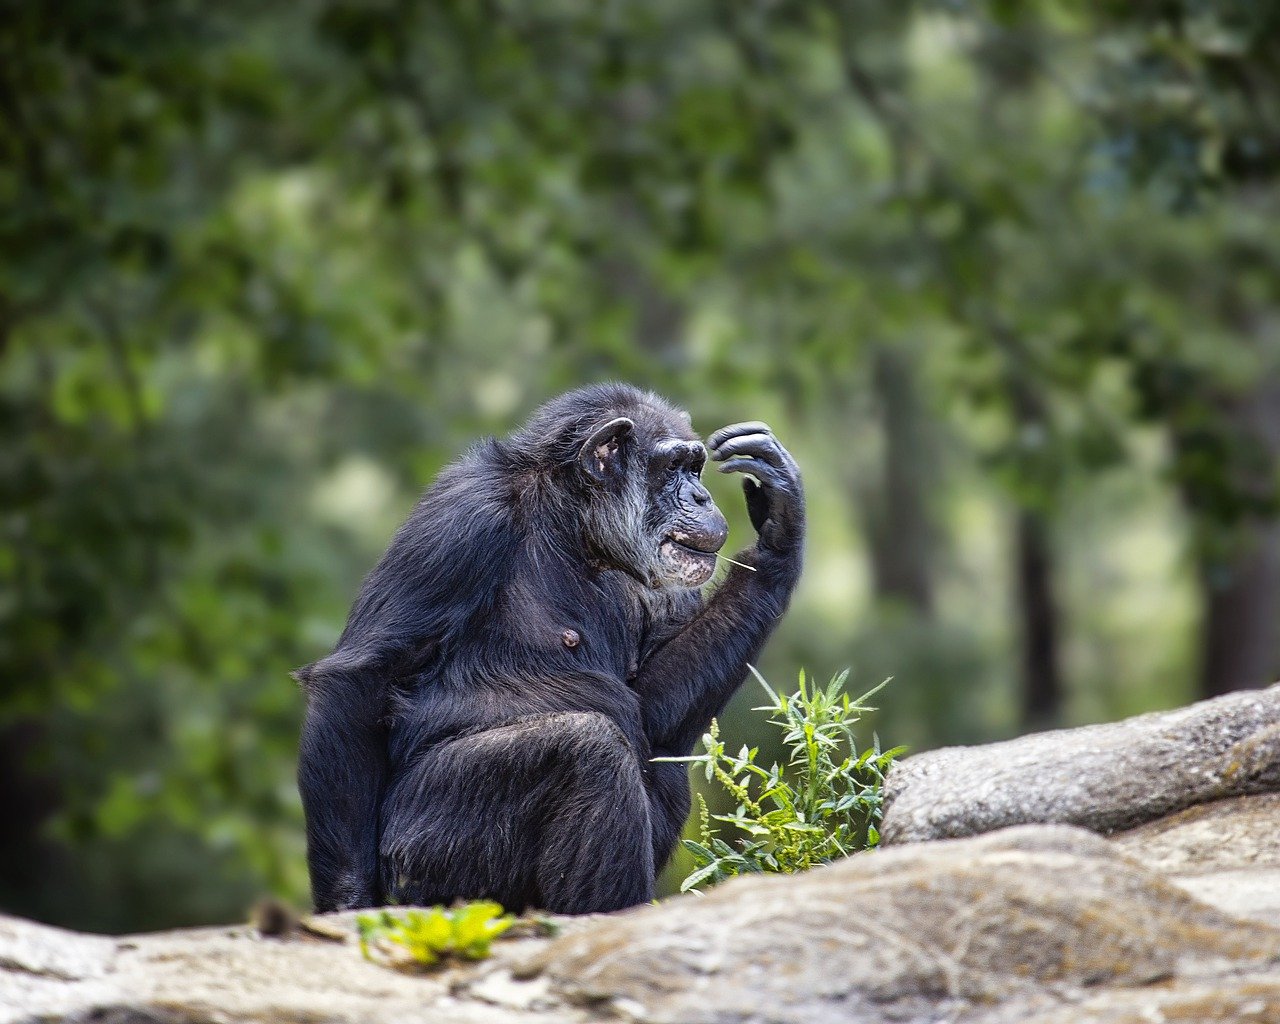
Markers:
point(1003, 276)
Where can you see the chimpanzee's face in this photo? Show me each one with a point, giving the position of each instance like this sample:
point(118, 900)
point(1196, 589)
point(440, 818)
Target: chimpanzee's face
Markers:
point(647, 512)
point(681, 516)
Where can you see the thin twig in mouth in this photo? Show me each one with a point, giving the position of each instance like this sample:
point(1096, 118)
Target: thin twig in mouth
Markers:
point(741, 565)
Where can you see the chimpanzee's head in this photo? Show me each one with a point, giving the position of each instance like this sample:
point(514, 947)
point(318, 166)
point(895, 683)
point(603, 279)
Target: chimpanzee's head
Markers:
point(631, 466)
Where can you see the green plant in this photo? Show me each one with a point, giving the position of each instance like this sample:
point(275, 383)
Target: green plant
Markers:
point(824, 804)
point(415, 939)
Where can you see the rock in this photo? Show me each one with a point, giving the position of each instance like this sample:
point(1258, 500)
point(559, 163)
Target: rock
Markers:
point(1175, 919)
point(1229, 835)
point(994, 929)
point(1247, 999)
point(1101, 777)
point(51, 953)
point(1226, 853)
point(206, 975)
point(1037, 923)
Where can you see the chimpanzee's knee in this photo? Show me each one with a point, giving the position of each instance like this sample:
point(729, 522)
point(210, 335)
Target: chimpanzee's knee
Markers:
point(549, 811)
point(599, 848)
point(592, 746)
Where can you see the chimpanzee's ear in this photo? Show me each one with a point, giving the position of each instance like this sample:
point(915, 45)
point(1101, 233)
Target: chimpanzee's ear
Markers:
point(604, 453)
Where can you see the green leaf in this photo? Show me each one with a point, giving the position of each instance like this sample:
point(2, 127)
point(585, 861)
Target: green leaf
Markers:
point(701, 854)
point(700, 876)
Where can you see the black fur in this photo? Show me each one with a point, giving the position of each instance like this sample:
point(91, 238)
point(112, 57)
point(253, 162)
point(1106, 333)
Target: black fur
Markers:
point(525, 647)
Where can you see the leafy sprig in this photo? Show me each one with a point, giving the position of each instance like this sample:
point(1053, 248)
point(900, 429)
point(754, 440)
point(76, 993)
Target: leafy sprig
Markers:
point(414, 939)
point(825, 803)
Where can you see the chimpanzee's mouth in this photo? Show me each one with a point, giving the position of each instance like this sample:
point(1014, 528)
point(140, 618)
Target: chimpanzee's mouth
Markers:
point(673, 549)
point(684, 563)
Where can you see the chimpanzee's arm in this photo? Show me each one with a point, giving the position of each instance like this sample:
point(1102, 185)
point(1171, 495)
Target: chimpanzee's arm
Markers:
point(341, 771)
point(688, 681)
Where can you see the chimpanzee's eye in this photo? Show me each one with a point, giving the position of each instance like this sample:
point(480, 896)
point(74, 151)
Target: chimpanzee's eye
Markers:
point(680, 459)
point(665, 466)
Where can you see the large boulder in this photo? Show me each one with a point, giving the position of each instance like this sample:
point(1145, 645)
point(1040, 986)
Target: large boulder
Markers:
point(1226, 853)
point(1004, 928)
point(1033, 924)
point(1101, 777)
point(1175, 916)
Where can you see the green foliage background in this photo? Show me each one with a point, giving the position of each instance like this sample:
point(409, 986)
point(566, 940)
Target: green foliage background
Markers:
point(1002, 275)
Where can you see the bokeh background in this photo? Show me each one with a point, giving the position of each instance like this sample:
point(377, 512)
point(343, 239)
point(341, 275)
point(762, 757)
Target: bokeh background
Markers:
point(1003, 275)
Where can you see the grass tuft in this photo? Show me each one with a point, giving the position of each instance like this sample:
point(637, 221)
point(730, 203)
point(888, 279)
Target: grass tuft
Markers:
point(823, 804)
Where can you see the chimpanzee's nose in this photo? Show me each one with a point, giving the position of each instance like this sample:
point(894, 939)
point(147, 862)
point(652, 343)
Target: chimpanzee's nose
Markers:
point(701, 495)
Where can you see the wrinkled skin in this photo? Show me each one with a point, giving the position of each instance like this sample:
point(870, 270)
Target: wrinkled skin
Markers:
point(532, 639)
point(689, 526)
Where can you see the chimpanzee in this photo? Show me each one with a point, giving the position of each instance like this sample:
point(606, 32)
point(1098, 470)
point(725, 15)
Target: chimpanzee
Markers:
point(532, 638)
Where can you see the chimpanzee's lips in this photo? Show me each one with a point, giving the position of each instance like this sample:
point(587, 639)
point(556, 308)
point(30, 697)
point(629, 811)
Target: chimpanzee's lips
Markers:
point(706, 544)
point(687, 552)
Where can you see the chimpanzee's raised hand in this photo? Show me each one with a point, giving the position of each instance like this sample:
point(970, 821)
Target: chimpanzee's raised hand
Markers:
point(776, 502)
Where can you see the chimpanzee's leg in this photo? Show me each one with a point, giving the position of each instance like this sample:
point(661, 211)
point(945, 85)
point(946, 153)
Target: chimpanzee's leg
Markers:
point(548, 811)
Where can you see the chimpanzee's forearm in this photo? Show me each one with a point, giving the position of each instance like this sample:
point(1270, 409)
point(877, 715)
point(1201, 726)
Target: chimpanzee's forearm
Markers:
point(690, 679)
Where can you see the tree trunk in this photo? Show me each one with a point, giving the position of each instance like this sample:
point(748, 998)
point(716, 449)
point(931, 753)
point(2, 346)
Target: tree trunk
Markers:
point(1239, 574)
point(28, 861)
point(902, 535)
point(1241, 606)
point(1041, 676)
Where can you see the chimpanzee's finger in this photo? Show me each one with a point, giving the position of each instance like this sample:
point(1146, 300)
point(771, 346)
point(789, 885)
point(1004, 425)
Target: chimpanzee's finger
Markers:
point(762, 471)
point(761, 446)
point(735, 430)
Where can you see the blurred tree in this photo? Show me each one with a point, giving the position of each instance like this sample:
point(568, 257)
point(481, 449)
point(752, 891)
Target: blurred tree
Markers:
point(1193, 118)
point(899, 520)
point(1001, 273)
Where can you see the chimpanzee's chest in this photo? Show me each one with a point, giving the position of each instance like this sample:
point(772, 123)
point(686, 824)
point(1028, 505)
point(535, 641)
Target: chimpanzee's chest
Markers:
point(570, 645)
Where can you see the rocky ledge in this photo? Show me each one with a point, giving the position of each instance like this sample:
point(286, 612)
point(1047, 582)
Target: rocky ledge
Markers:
point(1121, 873)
